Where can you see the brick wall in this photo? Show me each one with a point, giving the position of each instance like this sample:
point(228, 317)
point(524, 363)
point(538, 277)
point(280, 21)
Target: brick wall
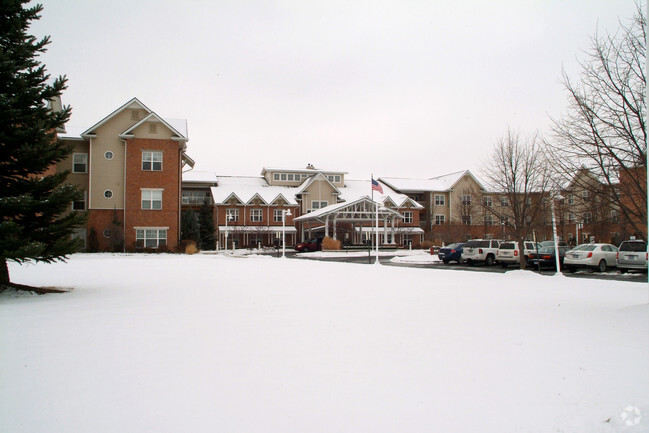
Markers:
point(168, 179)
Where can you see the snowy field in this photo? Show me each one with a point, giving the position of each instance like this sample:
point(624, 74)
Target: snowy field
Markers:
point(209, 343)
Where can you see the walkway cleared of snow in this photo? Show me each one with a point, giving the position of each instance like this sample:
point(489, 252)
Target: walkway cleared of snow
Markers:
point(206, 343)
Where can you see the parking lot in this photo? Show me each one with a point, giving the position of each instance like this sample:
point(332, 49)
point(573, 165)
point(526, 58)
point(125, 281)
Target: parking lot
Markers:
point(387, 259)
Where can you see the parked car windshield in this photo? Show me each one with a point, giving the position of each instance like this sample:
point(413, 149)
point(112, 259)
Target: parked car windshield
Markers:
point(634, 246)
point(477, 244)
point(453, 246)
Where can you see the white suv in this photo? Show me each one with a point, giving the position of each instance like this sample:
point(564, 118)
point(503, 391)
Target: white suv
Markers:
point(507, 253)
point(480, 250)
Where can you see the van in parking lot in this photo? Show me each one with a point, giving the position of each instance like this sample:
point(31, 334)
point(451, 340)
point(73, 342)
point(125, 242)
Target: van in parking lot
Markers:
point(632, 255)
point(508, 254)
point(480, 251)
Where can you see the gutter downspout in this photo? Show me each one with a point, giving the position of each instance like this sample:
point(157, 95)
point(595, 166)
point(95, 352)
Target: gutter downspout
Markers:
point(124, 204)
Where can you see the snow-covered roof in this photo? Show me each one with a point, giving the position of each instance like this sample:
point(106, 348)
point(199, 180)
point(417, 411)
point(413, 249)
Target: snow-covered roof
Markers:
point(363, 188)
point(439, 183)
point(246, 188)
point(301, 170)
point(200, 177)
point(72, 133)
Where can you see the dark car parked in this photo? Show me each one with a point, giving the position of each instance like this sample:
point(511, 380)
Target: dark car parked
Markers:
point(546, 258)
point(451, 253)
point(314, 244)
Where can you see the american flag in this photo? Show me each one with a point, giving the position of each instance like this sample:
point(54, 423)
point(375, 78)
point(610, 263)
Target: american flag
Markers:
point(376, 186)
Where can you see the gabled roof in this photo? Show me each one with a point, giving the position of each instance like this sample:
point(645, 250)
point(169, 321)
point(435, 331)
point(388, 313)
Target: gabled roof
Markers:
point(152, 116)
point(246, 188)
point(340, 207)
point(361, 188)
point(440, 183)
point(310, 180)
point(115, 113)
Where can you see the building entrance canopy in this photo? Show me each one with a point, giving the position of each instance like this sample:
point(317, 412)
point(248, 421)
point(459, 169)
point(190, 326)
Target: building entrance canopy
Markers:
point(361, 212)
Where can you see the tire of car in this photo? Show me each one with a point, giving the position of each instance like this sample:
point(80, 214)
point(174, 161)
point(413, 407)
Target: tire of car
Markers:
point(602, 266)
point(469, 262)
point(446, 262)
point(623, 270)
point(570, 269)
point(489, 260)
point(503, 264)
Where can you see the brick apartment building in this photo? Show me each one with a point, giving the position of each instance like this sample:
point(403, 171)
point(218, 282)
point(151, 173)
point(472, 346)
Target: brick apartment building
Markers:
point(129, 167)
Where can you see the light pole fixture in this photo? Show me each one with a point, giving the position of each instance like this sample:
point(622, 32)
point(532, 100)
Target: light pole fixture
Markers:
point(228, 217)
point(285, 213)
point(554, 233)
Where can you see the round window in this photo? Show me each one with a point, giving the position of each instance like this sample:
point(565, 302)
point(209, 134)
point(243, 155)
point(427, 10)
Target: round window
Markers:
point(108, 193)
point(108, 155)
point(107, 233)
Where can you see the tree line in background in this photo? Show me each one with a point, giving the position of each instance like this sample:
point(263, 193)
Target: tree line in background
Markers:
point(599, 147)
point(603, 132)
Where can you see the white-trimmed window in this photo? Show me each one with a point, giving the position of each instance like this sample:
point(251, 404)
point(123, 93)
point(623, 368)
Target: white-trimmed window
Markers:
point(488, 220)
point(571, 218)
point(440, 200)
point(151, 160)
point(150, 237)
point(440, 219)
point(232, 215)
point(108, 194)
point(466, 199)
point(275, 176)
point(196, 197)
point(571, 199)
point(334, 178)
point(407, 217)
point(488, 201)
point(81, 203)
point(615, 215)
point(319, 204)
point(277, 215)
point(588, 217)
point(79, 163)
point(466, 220)
point(152, 199)
point(256, 215)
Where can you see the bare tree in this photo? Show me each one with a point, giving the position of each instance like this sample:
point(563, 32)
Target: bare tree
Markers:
point(518, 174)
point(604, 130)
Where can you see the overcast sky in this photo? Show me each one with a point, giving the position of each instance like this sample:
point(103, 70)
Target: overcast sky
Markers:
point(395, 88)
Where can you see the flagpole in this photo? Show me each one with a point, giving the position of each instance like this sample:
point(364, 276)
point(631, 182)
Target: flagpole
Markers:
point(377, 224)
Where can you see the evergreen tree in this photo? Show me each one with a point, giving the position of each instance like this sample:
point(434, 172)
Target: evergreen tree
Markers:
point(35, 222)
point(207, 229)
point(189, 228)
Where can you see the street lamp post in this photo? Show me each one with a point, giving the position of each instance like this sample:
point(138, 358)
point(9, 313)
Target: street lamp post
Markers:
point(554, 233)
point(228, 217)
point(285, 213)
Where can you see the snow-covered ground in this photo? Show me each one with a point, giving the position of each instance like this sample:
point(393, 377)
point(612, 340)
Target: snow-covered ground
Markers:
point(211, 343)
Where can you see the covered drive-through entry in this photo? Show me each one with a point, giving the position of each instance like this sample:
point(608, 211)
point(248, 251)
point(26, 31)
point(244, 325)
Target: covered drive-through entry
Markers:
point(358, 217)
